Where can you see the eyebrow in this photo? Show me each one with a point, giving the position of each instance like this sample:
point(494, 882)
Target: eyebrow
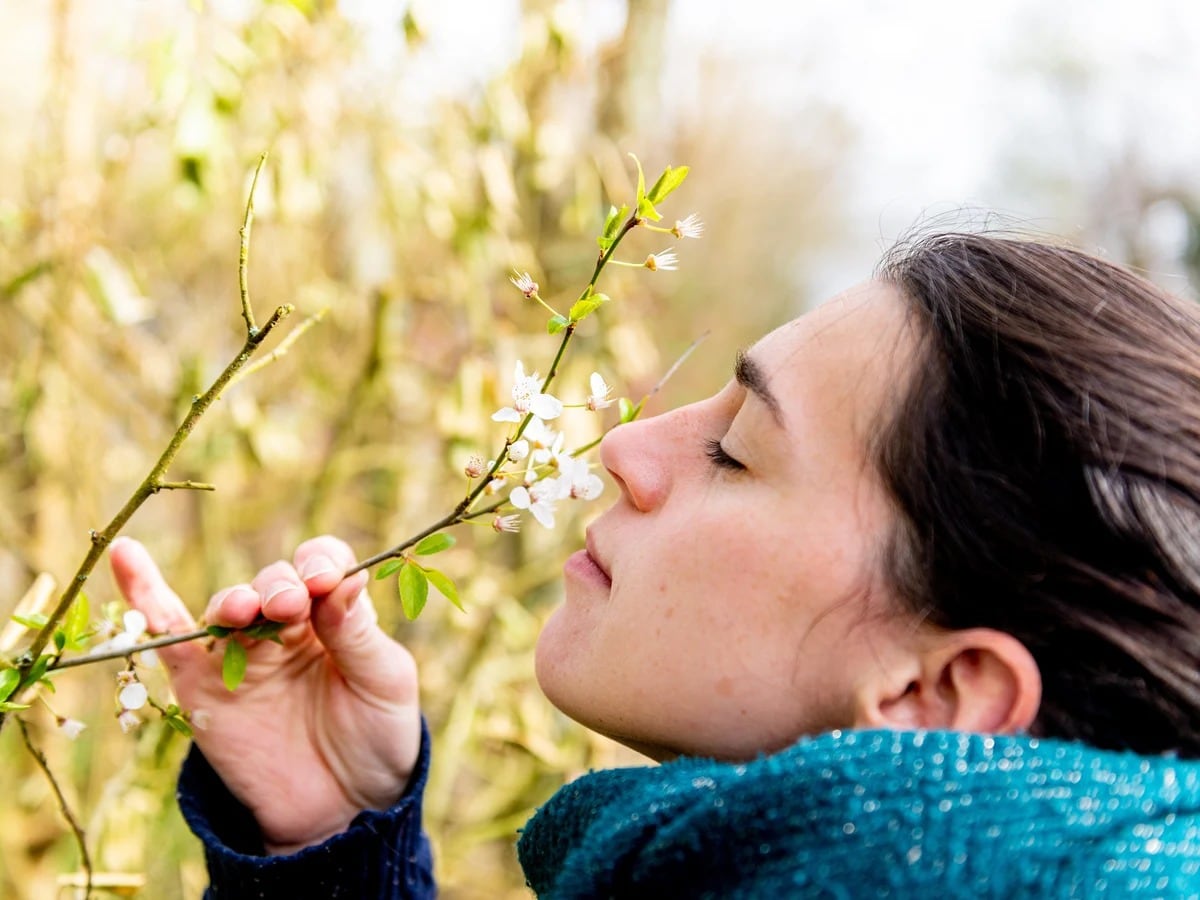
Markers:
point(750, 375)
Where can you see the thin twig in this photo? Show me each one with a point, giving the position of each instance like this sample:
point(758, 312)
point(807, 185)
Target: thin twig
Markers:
point(154, 481)
point(80, 837)
point(462, 511)
point(244, 251)
point(284, 346)
point(165, 641)
point(184, 486)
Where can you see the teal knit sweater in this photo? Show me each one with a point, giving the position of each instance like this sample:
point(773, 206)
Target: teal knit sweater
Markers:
point(877, 814)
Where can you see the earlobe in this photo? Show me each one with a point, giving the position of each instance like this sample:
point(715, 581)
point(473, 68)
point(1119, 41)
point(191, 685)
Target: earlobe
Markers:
point(977, 679)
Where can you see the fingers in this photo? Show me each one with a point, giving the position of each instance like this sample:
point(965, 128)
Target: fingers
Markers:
point(360, 649)
point(320, 563)
point(345, 622)
point(283, 592)
point(311, 587)
point(145, 589)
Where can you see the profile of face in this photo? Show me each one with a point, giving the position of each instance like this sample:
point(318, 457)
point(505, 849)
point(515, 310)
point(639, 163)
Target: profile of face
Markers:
point(732, 598)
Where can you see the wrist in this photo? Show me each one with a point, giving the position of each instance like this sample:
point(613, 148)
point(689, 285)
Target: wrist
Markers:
point(286, 846)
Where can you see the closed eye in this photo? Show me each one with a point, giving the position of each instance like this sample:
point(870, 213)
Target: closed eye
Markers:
point(722, 460)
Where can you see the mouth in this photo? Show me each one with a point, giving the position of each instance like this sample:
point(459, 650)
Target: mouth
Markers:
point(583, 567)
point(595, 557)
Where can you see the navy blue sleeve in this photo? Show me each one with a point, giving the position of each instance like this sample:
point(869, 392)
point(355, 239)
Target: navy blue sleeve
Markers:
point(383, 855)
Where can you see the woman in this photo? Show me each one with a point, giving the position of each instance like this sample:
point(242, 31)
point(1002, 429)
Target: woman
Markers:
point(935, 548)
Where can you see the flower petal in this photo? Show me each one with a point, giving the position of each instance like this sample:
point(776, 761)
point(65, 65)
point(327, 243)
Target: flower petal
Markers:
point(508, 414)
point(519, 497)
point(544, 513)
point(589, 489)
point(135, 622)
point(546, 407)
point(133, 696)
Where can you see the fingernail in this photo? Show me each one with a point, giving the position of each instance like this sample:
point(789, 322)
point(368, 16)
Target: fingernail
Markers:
point(318, 565)
point(275, 590)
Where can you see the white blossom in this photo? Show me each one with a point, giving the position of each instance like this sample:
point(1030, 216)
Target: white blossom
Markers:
point(539, 498)
point(494, 486)
point(528, 398)
point(539, 434)
point(133, 696)
point(598, 398)
point(128, 721)
point(507, 523)
point(525, 284)
point(691, 227)
point(474, 467)
point(519, 450)
point(578, 482)
point(135, 625)
point(72, 728)
point(665, 260)
point(552, 454)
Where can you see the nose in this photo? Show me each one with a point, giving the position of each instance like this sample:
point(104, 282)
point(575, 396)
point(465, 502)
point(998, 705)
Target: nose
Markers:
point(633, 455)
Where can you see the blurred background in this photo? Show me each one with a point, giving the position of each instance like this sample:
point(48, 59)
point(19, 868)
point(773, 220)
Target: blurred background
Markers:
point(418, 153)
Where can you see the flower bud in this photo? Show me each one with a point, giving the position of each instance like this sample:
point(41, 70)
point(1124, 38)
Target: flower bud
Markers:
point(474, 467)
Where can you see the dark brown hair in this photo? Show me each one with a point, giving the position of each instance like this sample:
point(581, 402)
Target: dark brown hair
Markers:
point(1045, 465)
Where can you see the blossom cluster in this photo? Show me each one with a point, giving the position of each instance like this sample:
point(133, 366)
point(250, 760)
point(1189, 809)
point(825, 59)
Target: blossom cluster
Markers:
point(547, 473)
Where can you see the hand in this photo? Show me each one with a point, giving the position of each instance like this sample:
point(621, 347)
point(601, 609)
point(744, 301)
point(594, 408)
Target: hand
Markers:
point(322, 727)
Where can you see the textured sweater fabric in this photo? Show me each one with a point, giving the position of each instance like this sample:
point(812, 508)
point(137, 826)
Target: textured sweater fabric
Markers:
point(841, 815)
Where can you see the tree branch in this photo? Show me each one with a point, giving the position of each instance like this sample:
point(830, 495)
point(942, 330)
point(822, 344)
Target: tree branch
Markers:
point(80, 837)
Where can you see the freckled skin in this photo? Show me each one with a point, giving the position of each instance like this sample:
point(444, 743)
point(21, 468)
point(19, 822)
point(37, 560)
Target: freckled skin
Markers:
point(769, 568)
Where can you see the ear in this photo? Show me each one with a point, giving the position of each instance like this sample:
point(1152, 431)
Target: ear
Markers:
point(977, 679)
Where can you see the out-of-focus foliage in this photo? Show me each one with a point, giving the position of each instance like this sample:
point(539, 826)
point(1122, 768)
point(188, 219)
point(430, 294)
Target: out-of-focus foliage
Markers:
point(127, 137)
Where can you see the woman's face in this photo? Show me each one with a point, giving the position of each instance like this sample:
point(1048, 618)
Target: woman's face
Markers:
point(725, 608)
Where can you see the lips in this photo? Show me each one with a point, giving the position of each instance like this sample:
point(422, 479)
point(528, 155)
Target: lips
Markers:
point(595, 556)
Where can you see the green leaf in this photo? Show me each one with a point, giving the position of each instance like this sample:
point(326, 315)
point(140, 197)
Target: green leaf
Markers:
point(612, 225)
point(180, 725)
point(233, 666)
point(219, 631)
point(641, 188)
point(388, 568)
point(264, 631)
point(414, 590)
point(34, 622)
point(75, 625)
point(646, 210)
point(586, 306)
point(9, 679)
point(12, 707)
point(60, 639)
point(556, 324)
point(36, 671)
point(434, 543)
point(628, 411)
point(670, 179)
point(442, 582)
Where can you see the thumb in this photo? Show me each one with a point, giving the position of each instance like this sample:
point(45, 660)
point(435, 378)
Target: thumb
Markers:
point(346, 625)
point(144, 588)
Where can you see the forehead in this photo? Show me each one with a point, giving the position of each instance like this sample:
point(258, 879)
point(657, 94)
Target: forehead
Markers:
point(843, 359)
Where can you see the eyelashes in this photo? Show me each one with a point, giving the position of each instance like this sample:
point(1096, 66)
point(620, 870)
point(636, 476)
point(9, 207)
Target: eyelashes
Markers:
point(722, 460)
